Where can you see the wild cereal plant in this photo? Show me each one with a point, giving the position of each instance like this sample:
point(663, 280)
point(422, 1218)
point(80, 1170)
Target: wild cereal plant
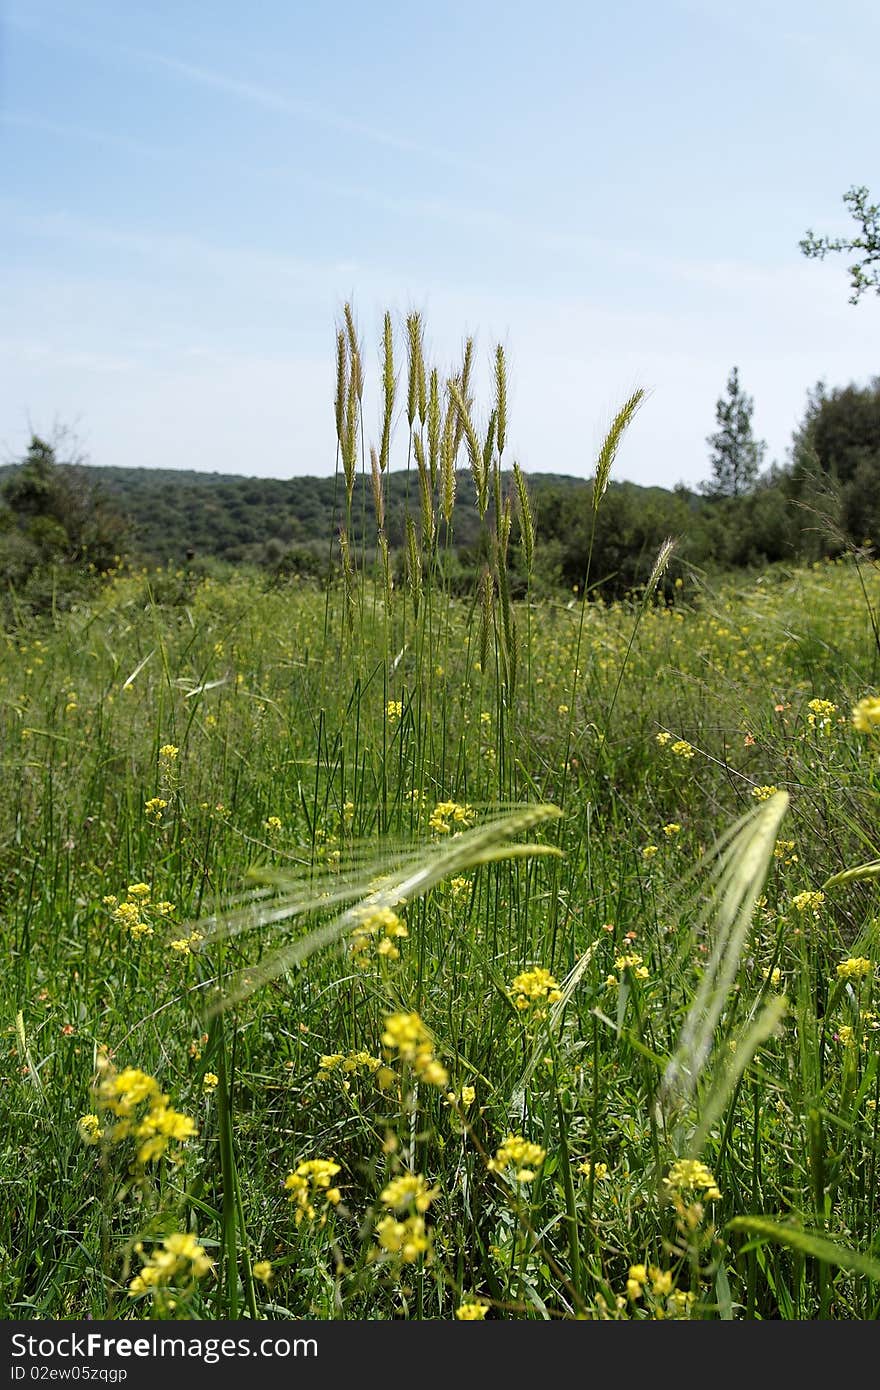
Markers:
point(552, 993)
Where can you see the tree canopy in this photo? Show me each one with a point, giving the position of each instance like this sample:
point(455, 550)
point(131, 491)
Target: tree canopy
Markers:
point(864, 272)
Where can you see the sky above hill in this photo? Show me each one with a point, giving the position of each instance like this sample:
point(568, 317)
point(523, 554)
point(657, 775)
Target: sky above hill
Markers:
point(190, 193)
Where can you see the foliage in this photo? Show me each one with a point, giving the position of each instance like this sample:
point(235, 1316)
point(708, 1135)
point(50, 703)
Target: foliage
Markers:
point(57, 530)
point(864, 273)
point(300, 1030)
point(736, 454)
point(838, 446)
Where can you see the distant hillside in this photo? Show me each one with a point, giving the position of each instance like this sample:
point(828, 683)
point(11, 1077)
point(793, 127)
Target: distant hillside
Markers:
point(176, 514)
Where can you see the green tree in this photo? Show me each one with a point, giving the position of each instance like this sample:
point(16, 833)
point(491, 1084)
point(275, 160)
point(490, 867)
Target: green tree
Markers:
point(736, 455)
point(865, 271)
point(56, 529)
point(837, 446)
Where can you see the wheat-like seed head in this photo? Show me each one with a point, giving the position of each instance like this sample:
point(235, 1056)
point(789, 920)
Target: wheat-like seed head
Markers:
point(426, 495)
point(341, 386)
point(354, 352)
point(348, 584)
point(389, 388)
point(475, 452)
point(504, 527)
point(489, 445)
point(387, 581)
point(349, 448)
point(416, 393)
point(464, 381)
point(501, 396)
point(434, 425)
point(663, 556)
point(526, 519)
point(487, 595)
point(378, 494)
point(612, 440)
point(447, 459)
point(413, 564)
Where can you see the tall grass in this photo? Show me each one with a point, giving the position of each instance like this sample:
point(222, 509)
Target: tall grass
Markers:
point(476, 955)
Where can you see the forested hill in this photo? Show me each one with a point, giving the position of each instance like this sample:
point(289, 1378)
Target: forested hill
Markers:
point(174, 513)
point(174, 517)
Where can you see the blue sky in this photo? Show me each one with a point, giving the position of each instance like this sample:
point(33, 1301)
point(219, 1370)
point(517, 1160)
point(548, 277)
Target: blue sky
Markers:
point(190, 193)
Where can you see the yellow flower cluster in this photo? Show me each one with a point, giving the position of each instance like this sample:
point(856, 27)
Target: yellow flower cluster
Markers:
point(153, 809)
point(394, 709)
point(310, 1182)
point(649, 851)
point(808, 902)
point(855, 968)
point(408, 1190)
point(135, 911)
point(866, 715)
point(347, 1062)
point(168, 752)
point(682, 749)
point(689, 1174)
point(450, 815)
point(89, 1129)
point(677, 1303)
point(183, 945)
point(407, 1035)
point(673, 828)
point(471, 1311)
point(407, 1240)
point(632, 961)
point(661, 1281)
point(533, 986)
point(764, 793)
point(273, 824)
point(381, 922)
point(403, 1233)
point(784, 850)
point(460, 889)
point(820, 715)
point(599, 1170)
point(142, 1111)
point(178, 1263)
point(518, 1153)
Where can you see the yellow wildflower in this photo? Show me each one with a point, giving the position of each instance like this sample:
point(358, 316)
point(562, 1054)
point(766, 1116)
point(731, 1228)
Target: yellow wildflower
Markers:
point(407, 1240)
point(89, 1128)
point(471, 1311)
point(855, 968)
point(179, 1262)
point(447, 815)
point(866, 715)
point(689, 1174)
point(407, 1035)
point(520, 1154)
point(682, 749)
point(808, 902)
point(532, 986)
point(309, 1183)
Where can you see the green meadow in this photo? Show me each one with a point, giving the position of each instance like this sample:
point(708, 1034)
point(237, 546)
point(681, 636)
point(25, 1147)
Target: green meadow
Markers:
point(379, 951)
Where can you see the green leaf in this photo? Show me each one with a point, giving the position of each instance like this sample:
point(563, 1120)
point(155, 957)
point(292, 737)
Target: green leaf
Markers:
point(807, 1243)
